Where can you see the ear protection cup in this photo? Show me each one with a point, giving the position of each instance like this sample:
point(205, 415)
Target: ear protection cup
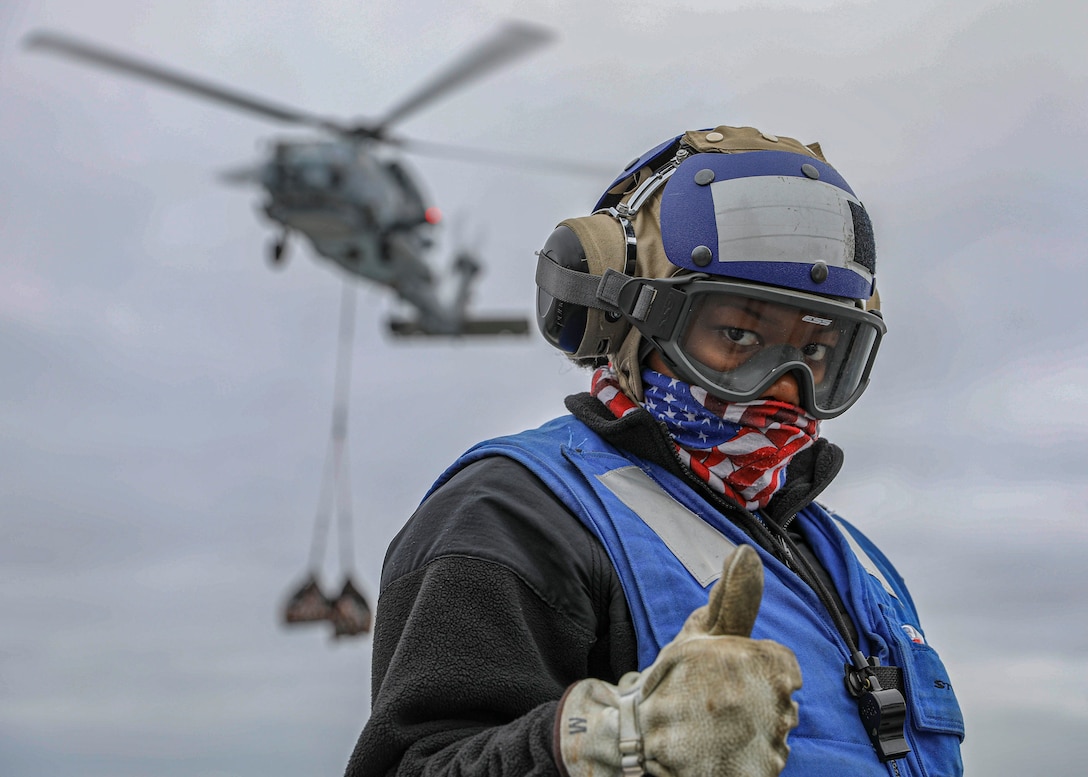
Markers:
point(589, 244)
point(563, 324)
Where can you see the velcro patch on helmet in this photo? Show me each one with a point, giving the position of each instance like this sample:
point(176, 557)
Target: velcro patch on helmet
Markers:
point(771, 217)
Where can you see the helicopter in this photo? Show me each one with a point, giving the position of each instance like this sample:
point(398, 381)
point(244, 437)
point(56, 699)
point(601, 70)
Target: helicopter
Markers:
point(349, 194)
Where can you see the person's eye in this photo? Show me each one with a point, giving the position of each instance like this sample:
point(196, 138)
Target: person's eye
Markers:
point(744, 338)
point(816, 352)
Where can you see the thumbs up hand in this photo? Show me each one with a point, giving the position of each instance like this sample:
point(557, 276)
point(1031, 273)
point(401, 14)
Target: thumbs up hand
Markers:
point(713, 702)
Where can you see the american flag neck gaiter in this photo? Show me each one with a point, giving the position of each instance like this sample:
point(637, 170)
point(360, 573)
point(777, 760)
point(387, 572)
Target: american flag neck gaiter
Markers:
point(741, 449)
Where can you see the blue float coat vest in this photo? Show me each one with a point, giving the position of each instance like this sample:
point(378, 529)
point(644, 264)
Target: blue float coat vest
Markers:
point(667, 545)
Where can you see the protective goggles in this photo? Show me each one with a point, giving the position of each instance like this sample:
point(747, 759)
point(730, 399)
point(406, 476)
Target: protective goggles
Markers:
point(736, 340)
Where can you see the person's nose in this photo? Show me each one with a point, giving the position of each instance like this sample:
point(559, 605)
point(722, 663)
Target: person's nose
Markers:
point(785, 389)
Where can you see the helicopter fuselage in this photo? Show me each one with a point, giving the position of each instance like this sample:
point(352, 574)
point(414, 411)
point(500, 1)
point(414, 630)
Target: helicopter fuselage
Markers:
point(346, 201)
point(337, 189)
point(361, 210)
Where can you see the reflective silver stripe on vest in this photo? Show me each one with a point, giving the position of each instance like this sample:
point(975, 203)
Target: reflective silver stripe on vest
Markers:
point(698, 546)
point(863, 557)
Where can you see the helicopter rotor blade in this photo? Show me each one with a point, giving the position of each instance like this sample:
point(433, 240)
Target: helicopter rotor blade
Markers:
point(504, 158)
point(96, 55)
point(513, 40)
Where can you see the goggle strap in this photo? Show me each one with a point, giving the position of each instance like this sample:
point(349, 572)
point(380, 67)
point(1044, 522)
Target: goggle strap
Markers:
point(641, 309)
point(572, 286)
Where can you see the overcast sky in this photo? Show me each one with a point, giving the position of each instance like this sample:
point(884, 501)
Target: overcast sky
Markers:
point(165, 398)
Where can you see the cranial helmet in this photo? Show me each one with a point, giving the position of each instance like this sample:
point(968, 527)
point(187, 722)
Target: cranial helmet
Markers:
point(738, 255)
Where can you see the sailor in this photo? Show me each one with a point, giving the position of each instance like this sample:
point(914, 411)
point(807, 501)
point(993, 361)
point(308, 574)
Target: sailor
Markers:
point(648, 584)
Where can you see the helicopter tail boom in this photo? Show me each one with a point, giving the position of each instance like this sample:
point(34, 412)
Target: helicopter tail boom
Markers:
point(471, 327)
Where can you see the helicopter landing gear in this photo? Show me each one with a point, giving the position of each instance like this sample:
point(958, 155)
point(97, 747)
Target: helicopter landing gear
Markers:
point(466, 265)
point(277, 251)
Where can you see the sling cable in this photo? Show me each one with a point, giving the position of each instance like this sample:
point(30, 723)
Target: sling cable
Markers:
point(349, 612)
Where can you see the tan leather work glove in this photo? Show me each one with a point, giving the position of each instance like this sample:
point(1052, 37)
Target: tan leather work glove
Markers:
point(714, 703)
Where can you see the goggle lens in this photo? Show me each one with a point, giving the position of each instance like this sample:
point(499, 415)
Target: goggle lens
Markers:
point(739, 345)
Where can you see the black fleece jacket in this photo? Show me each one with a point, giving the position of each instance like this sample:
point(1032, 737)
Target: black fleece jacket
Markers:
point(495, 598)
